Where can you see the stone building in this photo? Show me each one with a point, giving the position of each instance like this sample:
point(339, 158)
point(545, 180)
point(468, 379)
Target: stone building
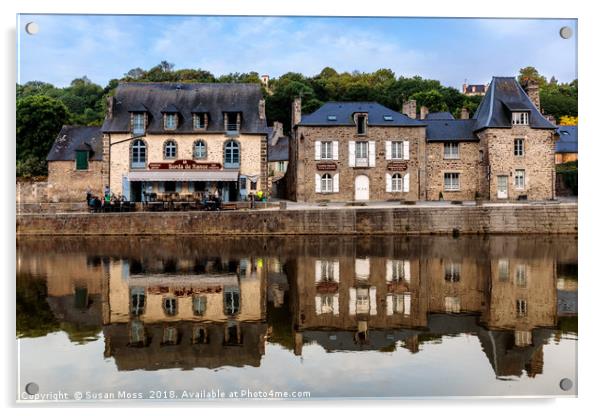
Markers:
point(185, 138)
point(74, 164)
point(365, 151)
point(278, 147)
point(474, 89)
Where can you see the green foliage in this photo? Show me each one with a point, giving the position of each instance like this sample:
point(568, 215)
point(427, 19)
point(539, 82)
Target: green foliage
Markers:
point(34, 317)
point(569, 173)
point(39, 119)
point(556, 99)
point(432, 99)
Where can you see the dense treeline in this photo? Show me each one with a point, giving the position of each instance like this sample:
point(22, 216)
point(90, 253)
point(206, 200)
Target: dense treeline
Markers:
point(43, 108)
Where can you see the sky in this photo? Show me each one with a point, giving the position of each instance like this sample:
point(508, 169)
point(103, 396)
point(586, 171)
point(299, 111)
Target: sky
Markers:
point(104, 47)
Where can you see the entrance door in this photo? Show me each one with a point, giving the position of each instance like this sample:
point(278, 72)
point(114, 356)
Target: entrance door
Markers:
point(502, 187)
point(362, 188)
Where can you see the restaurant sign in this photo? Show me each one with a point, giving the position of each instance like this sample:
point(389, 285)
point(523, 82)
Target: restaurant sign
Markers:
point(397, 166)
point(185, 164)
point(326, 166)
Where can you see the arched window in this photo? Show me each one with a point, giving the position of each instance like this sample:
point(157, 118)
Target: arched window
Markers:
point(170, 149)
point(199, 150)
point(232, 154)
point(397, 183)
point(326, 182)
point(138, 154)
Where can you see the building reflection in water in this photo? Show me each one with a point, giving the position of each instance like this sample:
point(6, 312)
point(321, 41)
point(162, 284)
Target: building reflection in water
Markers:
point(186, 303)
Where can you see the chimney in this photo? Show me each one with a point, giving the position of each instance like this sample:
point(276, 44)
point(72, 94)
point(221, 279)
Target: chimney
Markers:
point(533, 93)
point(464, 115)
point(409, 108)
point(261, 109)
point(423, 112)
point(110, 107)
point(278, 132)
point(296, 112)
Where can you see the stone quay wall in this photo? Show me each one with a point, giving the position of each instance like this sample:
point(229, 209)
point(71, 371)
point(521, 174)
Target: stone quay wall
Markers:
point(495, 219)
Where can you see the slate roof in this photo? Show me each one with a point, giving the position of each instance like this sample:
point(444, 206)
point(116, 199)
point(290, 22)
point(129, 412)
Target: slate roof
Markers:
point(504, 96)
point(279, 151)
point(450, 130)
point(444, 115)
point(478, 88)
point(72, 138)
point(567, 143)
point(344, 111)
point(186, 98)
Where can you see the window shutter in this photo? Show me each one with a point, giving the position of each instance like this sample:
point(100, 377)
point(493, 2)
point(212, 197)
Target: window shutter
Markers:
point(371, 154)
point(389, 271)
point(389, 305)
point(318, 149)
point(318, 270)
point(318, 183)
point(335, 183)
point(389, 182)
point(336, 271)
point(335, 305)
point(406, 271)
point(352, 154)
point(335, 150)
point(352, 300)
point(387, 150)
point(406, 150)
point(372, 300)
point(81, 160)
point(406, 182)
point(318, 305)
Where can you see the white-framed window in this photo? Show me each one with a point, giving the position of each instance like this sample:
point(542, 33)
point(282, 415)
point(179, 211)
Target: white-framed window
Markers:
point(520, 118)
point(452, 272)
point(138, 300)
point(503, 270)
point(397, 150)
point(519, 147)
point(232, 154)
point(198, 120)
point(397, 182)
point(521, 275)
point(361, 124)
point(452, 304)
point(361, 154)
point(170, 335)
point(170, 149)
point(451, 181)
point(521, 307)
point(451, 150)
point(138, 126)
point(281, 166)
point(199, 149)
point(171, 121)
point(138, 154)
point(522, 338)
point(519, 178)
point(199, 305)
point(398, 270)
point(402, 303)
point(326, 185)
point(326, 151)
point(170, 306)
point(327, 271)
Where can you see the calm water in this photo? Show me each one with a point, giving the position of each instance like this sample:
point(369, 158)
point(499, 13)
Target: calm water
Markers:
point(332, 316)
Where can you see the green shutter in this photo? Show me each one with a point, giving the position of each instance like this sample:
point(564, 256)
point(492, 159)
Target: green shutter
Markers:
point(81, 160)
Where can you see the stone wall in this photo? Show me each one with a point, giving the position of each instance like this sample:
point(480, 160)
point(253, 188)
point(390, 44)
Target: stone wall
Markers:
point(498, 219)
point(31, 191)
point(306, 168)
point(66, 184)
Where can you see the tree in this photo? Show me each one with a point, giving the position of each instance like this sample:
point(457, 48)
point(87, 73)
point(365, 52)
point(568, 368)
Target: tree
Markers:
point(568, 121)
point(529, 73)
point(39, 119)
point(432, 99)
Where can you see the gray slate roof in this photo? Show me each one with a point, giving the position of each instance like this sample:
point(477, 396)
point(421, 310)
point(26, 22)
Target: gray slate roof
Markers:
point(567, 143)
point(72, 138)
point(343, 111)
point(450, 130)
point(444, 115)
point(186, 98)
point(278, 152)
point(504, 96)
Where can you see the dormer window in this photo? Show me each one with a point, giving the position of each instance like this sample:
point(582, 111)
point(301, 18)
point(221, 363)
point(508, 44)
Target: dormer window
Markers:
point(388, 117)
point(520, 118)
point(232, 121)
point(171, 121)
point(138, 124)
point(361, 123)
point(332, 118)
point(200, 121)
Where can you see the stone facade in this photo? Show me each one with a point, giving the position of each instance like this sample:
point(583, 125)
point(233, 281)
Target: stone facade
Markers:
point(67, 184)
point(307, 166)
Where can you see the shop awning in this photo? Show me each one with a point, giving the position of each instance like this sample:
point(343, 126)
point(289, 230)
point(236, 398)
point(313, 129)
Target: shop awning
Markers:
point(184, 176)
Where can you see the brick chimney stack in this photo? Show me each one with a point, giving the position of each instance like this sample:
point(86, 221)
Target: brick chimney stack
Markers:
point(423, 112)
point(296, 112)
point(464, 115)
point(409, 108)
point(533, 93)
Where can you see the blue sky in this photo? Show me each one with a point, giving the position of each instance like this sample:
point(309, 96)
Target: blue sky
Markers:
point(450, 50)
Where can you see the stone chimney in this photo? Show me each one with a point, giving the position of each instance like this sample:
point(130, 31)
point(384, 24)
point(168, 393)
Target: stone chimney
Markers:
point(409, 108)
point(110, 107)
point(296, 112)
point(278, 132)
point(464, 115)
point(423, 112)
point(261, 107)
point(533, 93)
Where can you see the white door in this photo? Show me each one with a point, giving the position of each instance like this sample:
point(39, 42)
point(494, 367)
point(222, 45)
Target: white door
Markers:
point(502, 187)
point(362, 188)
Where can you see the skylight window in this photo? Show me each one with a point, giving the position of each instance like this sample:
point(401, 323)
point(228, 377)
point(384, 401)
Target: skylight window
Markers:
point(388, 117)
point(332, 118)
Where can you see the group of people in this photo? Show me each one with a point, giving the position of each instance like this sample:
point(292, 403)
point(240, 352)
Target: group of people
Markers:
point(97, 204)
